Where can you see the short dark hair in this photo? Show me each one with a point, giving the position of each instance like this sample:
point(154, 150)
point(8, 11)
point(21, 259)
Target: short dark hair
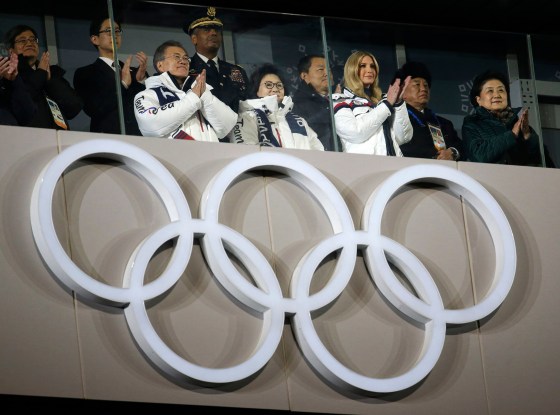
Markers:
point(484, 77)
point(10, 36)
point(305, 62)
point(259, 73)
point(96, 23)
point(159, 54)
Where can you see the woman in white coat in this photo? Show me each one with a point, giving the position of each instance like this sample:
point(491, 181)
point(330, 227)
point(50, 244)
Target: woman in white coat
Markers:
point(366, 120)
point(267, 118)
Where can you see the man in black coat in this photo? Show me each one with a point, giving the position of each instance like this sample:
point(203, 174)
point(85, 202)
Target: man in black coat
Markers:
point(229, 81)
point(433, 136)
point(16, 105)
point(312, 99)
point(55, 99)
point(96, 84)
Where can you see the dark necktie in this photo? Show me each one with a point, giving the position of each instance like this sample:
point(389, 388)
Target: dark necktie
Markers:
point(213, 70)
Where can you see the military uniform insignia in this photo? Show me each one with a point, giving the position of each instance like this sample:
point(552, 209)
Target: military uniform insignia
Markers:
point(236, 76)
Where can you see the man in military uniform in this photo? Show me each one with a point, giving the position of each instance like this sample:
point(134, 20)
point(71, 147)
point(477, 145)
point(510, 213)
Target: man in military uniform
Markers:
point(229, 81)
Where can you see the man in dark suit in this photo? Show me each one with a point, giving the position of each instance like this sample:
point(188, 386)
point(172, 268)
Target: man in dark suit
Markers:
point(55, 100)
point(229, 81)
point(433, 136)
point(312, 99)
point(96, 84)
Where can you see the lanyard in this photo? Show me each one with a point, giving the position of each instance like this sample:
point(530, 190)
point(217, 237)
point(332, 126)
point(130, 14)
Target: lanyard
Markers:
point(419, 121)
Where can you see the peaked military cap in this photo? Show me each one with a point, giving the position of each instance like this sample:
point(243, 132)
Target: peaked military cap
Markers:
point(209, 19)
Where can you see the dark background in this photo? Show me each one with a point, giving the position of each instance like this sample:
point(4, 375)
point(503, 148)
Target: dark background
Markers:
point(521, 16)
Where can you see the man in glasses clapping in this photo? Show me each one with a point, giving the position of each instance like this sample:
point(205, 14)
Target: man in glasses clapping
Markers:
point(97, 83)
point(56, 100)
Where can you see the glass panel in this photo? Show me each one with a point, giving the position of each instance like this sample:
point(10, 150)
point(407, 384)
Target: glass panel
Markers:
point(454, 58)
point(346, 36)
point(252, 38)
point(62, 38)
point(108, 95)
point(249, 39)
point(547, 75)
point(545, 57)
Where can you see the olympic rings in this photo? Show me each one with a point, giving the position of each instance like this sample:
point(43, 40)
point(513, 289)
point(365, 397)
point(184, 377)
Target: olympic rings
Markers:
point(266, 296)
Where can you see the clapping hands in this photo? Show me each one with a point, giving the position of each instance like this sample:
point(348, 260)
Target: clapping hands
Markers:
point(396, 91)
point(522, 124)
point(9, 67)
point(45, 63)
point(200, 85)
point(142, 59)
point(142, 66)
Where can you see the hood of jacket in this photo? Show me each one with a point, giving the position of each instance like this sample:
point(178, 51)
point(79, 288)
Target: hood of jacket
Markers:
point(268, 104)
point(160, 80)
point(164, 80)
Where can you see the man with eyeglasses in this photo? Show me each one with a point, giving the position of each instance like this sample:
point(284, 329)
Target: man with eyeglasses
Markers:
point(229, 81)
point(56, 100)
point(97, 86)
point(174, 105)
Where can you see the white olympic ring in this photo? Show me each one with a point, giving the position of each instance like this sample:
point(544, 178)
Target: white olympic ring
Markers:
point(266, 297)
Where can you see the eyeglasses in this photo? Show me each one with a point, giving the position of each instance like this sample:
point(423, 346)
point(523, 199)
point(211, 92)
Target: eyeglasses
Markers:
point(270, 85)
point(179, 58)
point(118, 32)
point(23, 42)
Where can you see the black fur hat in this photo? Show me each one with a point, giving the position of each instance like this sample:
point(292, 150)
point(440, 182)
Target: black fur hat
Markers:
point(481, 79)
point(414, 70)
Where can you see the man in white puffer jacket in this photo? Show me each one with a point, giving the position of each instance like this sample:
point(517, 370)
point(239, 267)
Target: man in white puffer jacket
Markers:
point(267, 119)
point(174, 105)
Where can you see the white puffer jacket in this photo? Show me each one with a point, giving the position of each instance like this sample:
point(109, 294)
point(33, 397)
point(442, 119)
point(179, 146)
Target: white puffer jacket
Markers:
point(290, 130)
point(164, 110)
point(360, 125)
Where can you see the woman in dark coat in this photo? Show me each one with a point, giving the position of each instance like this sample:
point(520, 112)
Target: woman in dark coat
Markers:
point(496, 132)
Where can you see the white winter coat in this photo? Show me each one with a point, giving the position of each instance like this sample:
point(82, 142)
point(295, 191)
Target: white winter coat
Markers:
point(295, 133)
point(360, 126)
point(164, 110)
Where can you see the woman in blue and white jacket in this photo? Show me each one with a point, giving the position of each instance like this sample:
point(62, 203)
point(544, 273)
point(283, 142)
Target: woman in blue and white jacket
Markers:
point(174, 105)
point(267, 118)
point(368, 121)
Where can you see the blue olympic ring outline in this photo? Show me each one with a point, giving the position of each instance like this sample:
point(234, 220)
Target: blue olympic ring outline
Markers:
point(266, 297)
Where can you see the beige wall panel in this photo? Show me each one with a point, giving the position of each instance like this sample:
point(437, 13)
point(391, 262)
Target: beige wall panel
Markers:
point(361, 329)
point(39, 352)
point(111, 212)
point(54, 348)
point(520, 342)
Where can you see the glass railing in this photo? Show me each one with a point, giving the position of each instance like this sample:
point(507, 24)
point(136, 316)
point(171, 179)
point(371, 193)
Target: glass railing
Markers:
point(252, 38)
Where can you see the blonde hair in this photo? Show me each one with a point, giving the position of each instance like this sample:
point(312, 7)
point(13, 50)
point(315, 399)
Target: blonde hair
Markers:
point(352, 79)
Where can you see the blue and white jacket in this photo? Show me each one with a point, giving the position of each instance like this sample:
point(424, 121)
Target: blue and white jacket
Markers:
point(165, 110)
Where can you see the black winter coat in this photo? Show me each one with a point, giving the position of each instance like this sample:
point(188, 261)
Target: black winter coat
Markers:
point(316, 110)
point(57, 88)
point(488, 140)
